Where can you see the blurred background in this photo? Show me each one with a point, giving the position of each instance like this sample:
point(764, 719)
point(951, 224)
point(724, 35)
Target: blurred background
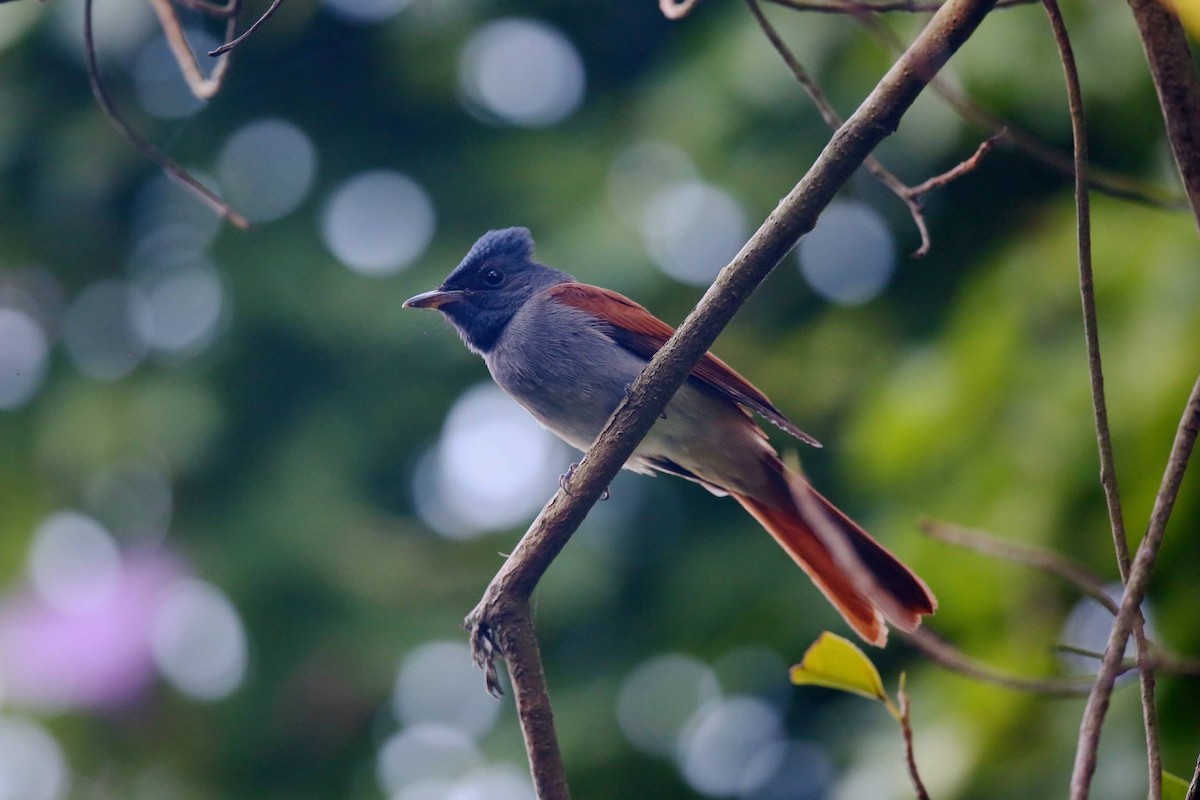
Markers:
point(246, 501)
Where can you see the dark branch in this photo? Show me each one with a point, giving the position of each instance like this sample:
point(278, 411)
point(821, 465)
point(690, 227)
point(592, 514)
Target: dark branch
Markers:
point(1177, 85)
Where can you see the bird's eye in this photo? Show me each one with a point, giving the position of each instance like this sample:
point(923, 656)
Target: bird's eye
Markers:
point(493, 277)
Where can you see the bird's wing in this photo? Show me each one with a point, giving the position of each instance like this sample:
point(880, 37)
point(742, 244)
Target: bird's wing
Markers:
point(637, 330)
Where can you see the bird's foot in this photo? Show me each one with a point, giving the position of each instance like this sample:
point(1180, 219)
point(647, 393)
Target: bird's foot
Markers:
point(565, 479)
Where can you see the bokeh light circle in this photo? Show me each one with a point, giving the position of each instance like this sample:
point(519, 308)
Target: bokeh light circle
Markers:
point(492, 469)
point(378, 222)
point(658, 698)
point(32, 766)
point(850, 255)
point(730, 747)
point(692, 229)
point(180, 307)
point(266, 169)
point(438, 683)
point(161, 89)
point(1089, 626)
point(198, 641)
point(640, 171)
point(99, 333)
point(521, 72)
point(73, 562)
point(24, 358)
point(424, 752)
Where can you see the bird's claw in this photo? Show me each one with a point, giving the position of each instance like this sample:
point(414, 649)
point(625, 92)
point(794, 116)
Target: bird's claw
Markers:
point(565, 479)
point(484, 649)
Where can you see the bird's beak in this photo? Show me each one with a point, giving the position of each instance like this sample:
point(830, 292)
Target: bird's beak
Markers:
point(435, 299)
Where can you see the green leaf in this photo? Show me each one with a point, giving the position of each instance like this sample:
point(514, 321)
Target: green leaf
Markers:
point(837, 663)
point(1173, 787)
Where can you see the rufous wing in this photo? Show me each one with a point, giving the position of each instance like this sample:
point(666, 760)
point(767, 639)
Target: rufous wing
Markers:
point(638, 331)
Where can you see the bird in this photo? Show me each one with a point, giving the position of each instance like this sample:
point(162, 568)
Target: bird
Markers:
point(568, 353)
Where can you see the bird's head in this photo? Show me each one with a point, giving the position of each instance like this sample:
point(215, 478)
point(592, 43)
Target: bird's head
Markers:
point(489, 286)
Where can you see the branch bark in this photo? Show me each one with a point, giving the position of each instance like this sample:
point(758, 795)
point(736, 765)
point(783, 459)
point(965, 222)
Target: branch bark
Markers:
point(1177, 85)
point(501, 618)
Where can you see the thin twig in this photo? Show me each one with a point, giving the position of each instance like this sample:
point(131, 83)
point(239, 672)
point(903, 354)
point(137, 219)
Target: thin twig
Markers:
point(950, 657)
point(1036, 557)
point(960, 169)
point(833, 120)
point(796, 214)
point(1089, 584)
point(1102, 180)
point(909, 756)
point(1135, 592)
point(1108, 469)
point(232, 43)
point(165, 163)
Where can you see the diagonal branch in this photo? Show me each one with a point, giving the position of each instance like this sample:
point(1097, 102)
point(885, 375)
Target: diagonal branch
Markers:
point(1135, 592)
point(502, 616)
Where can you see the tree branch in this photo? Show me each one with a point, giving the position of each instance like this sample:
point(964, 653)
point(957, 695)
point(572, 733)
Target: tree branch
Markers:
point(1177, 85)
point(1135, 592)
point(506, 597)
point(1108, 469)
point(1103, 180)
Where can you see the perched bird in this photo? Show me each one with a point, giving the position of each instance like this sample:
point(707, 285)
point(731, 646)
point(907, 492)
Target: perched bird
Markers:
point(568, 352)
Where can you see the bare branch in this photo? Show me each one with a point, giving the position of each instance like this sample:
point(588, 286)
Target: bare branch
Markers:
point(910, 757)
point(1108, 470)
point(1038, 558)
point(967, 165)
point(1193, 792)
point(1177, 85)
point(950, 657)
point(508, 594)
point(232, 43)
point(1135, 592)
point(165, 162)
point(1103, 180)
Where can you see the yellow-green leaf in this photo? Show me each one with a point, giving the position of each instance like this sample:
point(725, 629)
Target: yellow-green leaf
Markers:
point(1173, 787)
point(837, 663)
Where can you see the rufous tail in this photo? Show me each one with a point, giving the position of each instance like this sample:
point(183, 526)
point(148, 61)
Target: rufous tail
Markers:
point(869, 587)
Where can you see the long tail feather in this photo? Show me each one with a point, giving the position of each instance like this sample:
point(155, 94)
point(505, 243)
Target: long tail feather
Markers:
point(867, 587)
